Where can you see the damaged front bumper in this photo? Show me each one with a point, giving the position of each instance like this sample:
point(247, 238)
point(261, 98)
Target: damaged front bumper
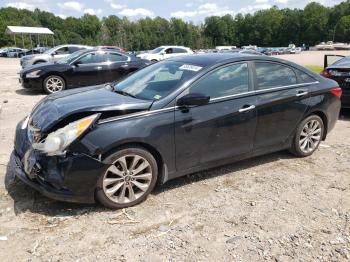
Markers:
point(70, 177)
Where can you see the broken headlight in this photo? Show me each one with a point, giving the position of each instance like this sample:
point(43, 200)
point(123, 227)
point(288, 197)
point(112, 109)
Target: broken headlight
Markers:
point(57, 141)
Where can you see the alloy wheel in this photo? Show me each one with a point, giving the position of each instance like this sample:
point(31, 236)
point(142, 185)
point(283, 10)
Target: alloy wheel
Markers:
point(310, 136)
point(54, 84)
point(127, 179)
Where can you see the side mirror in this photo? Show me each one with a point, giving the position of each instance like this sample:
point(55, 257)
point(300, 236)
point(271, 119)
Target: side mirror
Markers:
point(194, 99)
point(77, 63)
point(53, 53)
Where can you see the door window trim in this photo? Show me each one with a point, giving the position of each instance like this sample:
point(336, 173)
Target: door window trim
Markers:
point(228, 97)
point(277, 88)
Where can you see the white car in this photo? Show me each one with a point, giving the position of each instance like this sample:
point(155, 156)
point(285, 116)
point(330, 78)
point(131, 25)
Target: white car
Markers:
point(164, 52)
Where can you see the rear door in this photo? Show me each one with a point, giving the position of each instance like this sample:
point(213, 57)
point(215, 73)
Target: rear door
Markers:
point(282, 100)
point(222, 129)
point(117, 66)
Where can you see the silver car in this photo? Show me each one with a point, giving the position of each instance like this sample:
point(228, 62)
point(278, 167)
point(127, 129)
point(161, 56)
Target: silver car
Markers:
point(54, 54)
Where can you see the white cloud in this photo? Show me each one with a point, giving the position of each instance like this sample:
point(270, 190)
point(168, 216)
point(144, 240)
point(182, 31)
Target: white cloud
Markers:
point(253, 8)
point(114, 5)
point(21, 5)
point(183, 14)
point(136, 12)
point(282, 1)
point(91, 11)
point(62, 16)
point(71, 5)
point(190, 4)
point(207, 9)
point(265, 1)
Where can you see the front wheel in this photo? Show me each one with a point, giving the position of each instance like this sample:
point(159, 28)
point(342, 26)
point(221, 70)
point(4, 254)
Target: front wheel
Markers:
point(130, 178)
point(308, 136)
point(53, 84)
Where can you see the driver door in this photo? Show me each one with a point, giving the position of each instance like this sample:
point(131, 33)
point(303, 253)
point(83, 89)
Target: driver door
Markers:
point(60, 53)
point(87, 70)
point(222, 129)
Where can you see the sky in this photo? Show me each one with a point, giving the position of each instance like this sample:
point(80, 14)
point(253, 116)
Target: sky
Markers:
point(190, 10)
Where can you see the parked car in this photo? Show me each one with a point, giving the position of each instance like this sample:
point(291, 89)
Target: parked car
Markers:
point(172, 118)
point(82, 68)
point(164, 52)
point(113, 48)
point(337, 67)
point(37, 50)
point(243, 51)
point(51, 55)
point(12, 52)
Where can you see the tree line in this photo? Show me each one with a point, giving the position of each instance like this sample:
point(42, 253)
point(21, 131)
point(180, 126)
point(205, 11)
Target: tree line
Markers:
point(270, 27)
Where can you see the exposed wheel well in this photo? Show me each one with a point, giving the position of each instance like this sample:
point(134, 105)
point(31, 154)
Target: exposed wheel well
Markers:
point(157, 156)
point(324, 118)
point(39, 61)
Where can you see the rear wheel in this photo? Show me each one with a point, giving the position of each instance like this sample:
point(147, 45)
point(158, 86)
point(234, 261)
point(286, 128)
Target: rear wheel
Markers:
point(308, 136)
point(129, 179)
point(53, 84)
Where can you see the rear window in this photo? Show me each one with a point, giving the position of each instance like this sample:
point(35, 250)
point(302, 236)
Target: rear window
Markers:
point(303, 77)
point(271, 75)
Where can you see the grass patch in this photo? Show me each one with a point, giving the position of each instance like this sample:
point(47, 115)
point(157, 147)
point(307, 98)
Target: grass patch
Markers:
point(317, 69)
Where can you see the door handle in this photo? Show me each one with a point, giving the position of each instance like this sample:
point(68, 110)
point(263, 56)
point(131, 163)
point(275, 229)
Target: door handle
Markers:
point(246, 109)
point(98, 67)
point(302, 93)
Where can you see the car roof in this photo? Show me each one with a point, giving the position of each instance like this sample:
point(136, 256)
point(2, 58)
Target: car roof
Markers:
point(216, 58)
point(84, 51)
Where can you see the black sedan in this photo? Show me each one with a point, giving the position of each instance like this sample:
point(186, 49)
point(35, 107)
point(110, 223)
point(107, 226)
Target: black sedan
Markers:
point(82, 68)
point(339, 71)
point(172, 118)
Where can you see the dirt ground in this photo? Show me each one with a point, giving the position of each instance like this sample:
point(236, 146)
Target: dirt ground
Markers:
point(275, 207)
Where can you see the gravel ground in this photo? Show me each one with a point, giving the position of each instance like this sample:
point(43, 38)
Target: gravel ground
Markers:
point(275, 207)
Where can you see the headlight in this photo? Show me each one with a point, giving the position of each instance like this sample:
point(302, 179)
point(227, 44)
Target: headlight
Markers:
point(33, 74)
point(56, 142)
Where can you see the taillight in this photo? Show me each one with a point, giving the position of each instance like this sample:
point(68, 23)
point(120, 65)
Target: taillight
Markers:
point(325, 73)
point(336, 91)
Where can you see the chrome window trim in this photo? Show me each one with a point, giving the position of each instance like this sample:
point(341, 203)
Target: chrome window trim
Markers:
point(173, 108)
point(262, 91)
point(285, 87)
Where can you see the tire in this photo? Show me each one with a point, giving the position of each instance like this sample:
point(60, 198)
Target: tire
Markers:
point(53, 84)
point(110, 194)
point(308, 136)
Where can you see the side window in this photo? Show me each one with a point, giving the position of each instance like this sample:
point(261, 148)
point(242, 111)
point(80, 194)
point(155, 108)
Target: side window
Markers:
point(73, 49)
point(115, 57)
point(179, 50)
point(273, 75)
point(62, 51)
point(169, 51)
point(91, 58)
point(229, 80)
point(303, 77)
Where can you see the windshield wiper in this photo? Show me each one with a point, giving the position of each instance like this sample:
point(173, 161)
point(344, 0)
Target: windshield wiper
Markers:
point(124, 93)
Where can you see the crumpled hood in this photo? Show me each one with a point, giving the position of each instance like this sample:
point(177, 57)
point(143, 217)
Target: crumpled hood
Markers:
point(81, 101)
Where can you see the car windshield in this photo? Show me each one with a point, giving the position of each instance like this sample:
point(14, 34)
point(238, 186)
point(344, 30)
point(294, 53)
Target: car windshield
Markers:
point(156, 50)
point(71, 57)
point(157, 80)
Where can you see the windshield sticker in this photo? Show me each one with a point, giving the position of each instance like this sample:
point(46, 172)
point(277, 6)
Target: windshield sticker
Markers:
point(157, 97)
point(191, 67)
